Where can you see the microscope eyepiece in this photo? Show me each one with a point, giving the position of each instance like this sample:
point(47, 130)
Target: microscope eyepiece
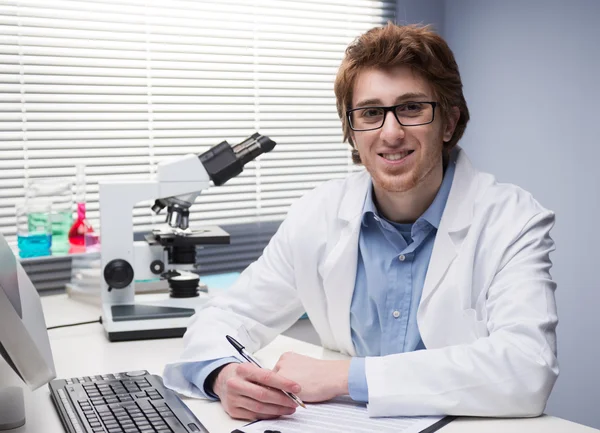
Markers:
point(158, 205)
point(253, 146)
point(223, 161)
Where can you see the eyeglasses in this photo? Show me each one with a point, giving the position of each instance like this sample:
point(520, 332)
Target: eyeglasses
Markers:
point(407, 114)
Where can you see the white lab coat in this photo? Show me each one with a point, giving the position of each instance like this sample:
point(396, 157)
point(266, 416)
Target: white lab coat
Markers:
point(487, 314)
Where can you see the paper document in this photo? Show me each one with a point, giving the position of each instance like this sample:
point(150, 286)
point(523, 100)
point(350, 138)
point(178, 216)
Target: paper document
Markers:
point(340, 415)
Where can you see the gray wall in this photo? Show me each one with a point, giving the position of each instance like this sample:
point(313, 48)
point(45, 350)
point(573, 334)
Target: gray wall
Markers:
point(531, 75)
point(421, 11)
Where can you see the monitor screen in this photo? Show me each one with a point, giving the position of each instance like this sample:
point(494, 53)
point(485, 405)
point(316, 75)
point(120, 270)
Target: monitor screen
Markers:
point(9, 281)
point(24, 343)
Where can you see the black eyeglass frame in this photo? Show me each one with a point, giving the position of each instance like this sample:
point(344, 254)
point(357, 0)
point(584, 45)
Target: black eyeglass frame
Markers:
point(391, 108)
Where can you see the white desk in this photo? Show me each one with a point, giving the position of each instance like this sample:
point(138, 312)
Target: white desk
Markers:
point(84, 350)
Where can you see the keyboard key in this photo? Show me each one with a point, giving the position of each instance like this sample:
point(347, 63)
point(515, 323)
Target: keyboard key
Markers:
point(173, 423)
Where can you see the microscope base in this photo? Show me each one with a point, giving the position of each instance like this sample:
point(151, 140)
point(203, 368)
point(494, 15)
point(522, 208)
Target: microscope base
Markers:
point(158, 316)
point(144, 334)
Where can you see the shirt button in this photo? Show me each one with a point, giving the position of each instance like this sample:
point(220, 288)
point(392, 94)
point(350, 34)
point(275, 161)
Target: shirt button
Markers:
point(396, 314)
point(401, 257)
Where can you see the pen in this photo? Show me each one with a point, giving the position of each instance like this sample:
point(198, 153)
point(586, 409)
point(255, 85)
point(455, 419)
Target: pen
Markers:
point(251, 359)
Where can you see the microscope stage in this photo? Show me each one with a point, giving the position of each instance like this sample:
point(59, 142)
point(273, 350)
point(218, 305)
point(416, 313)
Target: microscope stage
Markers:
point(209, 235)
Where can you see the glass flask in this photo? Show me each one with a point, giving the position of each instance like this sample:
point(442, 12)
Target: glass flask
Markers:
point(59, 193)
point(34, 228)
point(81, 227)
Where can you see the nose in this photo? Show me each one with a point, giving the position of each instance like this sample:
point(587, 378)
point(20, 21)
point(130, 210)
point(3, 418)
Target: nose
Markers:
point(391, 131)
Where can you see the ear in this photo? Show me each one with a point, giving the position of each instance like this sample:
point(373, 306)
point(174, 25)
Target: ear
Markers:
point(450, 124)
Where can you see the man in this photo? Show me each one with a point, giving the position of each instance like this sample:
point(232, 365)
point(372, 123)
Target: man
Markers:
point(430, 274)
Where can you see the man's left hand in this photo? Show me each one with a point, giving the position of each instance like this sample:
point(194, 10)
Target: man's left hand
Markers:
point(320, 380)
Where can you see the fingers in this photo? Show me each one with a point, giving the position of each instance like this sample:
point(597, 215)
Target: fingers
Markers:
point(262, 409)
point(261, 393)
point(245, 414)
point(267, 377)
point(255, 393)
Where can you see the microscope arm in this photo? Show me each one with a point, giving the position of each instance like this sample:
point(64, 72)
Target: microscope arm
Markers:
point(182, 177)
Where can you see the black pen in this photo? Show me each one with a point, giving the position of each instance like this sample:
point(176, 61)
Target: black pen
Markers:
point(251, 359)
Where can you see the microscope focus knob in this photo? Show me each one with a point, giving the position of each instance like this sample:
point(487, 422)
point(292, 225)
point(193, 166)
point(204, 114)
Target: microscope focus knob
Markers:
point(157, 267)
point(118, 274)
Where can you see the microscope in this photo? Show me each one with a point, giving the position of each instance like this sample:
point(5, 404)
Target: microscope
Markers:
point(168, 252)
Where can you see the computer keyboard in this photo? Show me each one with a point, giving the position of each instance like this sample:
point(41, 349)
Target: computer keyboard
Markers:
point(131, 402)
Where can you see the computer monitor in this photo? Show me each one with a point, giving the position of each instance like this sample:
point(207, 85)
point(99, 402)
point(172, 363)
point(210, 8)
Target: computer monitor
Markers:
point(24, 346)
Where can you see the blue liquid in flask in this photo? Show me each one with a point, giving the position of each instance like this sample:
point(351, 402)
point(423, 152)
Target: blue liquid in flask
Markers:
point(34, 245)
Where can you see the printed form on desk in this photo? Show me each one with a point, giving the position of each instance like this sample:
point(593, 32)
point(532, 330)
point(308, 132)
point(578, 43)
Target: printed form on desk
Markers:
point(344, 415)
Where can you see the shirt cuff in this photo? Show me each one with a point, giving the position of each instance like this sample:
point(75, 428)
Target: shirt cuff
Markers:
point(197, 372)
point(357, 381)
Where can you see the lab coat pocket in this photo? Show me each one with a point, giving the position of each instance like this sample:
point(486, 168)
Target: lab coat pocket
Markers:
point(477, 327)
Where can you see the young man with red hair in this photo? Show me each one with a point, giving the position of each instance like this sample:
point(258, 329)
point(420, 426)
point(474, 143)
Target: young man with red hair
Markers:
point(431, 275)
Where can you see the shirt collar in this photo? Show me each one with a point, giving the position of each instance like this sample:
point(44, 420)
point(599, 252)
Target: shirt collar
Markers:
point(369, 207)
point(433, 214)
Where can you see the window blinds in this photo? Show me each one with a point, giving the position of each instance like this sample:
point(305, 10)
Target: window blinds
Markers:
point(120, 85)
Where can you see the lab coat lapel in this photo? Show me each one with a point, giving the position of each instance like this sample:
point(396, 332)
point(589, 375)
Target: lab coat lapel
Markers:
point(339, 269)
point(454, 225)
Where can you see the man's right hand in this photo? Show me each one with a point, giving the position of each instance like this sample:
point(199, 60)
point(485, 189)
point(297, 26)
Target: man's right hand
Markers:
point(249, 392)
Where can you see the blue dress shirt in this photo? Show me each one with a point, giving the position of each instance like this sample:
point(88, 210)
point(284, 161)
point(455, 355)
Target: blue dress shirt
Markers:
point(392, 264)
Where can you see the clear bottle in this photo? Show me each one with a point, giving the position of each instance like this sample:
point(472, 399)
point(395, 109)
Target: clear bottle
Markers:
point(59, 192)
point(81, 227)
point(34, 229)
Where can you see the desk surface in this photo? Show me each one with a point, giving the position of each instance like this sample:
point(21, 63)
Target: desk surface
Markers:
point(84, 350)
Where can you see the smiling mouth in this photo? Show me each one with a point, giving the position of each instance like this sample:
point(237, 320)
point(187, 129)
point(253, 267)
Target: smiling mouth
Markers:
point(395, 156)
